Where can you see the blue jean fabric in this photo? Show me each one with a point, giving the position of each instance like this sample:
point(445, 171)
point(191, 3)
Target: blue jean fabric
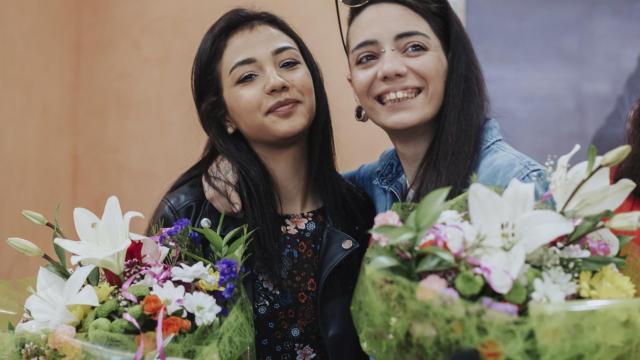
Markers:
point(498, 163)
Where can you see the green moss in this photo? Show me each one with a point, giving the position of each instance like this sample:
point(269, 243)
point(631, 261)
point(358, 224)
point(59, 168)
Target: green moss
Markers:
point(100, 324)
point(107, 308)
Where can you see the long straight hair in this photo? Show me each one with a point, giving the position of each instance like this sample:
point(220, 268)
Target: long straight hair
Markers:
point(453, 153)
point(630, 167)
point(255, 184)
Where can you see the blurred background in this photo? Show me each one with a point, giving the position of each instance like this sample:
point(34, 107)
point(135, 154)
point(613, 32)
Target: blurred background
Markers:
point(95, 97)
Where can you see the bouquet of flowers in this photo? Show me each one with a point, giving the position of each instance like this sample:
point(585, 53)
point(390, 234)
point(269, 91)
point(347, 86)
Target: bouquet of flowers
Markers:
point(503, 274)
point(176, 294)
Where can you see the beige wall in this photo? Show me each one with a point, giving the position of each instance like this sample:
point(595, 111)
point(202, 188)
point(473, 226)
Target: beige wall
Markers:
point(95, 100)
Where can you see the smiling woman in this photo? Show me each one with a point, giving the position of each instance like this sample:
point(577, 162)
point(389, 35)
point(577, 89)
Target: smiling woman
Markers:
point(261, 101)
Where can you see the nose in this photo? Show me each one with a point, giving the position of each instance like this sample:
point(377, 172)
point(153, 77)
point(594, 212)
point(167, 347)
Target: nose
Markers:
point(275, 82)
point(391, 66)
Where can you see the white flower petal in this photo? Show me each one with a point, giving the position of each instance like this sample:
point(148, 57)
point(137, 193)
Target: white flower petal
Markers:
point(72, 288)
point(540, 227)
point(86, 223)
point(520, 196)
point(111, 228)
point(487, 210)
point(608, 197)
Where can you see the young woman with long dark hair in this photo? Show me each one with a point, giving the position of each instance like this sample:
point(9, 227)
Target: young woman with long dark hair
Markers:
point(415, 74)
point(260, 99)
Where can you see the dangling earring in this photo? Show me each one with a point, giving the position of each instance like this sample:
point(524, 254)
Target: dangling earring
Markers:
point(360, 114)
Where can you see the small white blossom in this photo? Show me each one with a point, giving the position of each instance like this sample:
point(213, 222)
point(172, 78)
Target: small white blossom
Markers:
point(554, 286)
point(574, 252)
point(189, 274)
point(203, 306)
point(171, 296)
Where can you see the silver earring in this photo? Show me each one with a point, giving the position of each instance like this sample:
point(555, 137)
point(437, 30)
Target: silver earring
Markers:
point(230, 129)
point(360, 114)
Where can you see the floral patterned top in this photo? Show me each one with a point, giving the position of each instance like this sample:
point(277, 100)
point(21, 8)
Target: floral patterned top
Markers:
point(286, 318)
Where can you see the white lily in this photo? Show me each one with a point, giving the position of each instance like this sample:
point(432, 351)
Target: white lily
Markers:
point(103, 242)
point(152, 252)
point(508, 229)
point(48, 306)
point(595, 196)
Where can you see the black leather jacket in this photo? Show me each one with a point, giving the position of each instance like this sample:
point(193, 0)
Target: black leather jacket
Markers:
point(341, 256)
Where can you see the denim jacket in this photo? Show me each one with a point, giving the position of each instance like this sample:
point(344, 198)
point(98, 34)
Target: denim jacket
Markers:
point(498, 163)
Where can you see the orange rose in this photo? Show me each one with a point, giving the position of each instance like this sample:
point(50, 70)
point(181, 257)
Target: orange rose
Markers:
point(490, 350)
point(173, 325)
point(151, 305)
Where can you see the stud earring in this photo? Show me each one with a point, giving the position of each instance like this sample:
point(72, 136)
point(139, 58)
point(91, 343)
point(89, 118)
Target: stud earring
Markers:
point(360, 114)
point(230, 129)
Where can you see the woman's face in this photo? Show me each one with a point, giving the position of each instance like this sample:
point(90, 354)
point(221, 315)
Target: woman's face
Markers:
point(267, 87)
point(398, 67)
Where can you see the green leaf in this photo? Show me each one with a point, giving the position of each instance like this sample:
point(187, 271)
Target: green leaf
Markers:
point(213, 237)
point(588, 225)
point(10, 327)
point(459, 203)
point(231, 234)
point(60, 253)
point(94, 276)
point(430, 207)
point(383, 262)
point(595, 263)
point(591, 160)
point(403, 209)
point(440, 252)
point(433, 262)
point(468, 284)
point(220, 223)
point(396, 234)
point(517, 295)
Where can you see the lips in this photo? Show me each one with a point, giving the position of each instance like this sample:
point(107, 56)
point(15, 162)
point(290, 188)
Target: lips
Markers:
point(283, 106)
point(398, 96)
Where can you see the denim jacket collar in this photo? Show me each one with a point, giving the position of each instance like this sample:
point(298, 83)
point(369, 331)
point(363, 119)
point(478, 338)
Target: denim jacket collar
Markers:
point(390, 174)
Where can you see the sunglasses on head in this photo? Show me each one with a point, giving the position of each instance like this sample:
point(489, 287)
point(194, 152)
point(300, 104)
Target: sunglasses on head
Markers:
point(351, 4)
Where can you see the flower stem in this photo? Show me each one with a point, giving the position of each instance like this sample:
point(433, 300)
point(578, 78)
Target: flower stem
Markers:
point(57, 265)
point(56, 230)
point(575, 191)
point(189, 254)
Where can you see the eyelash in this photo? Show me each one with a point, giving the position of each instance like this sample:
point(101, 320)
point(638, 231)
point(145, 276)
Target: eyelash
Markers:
point(287, 64)
point(411, 48)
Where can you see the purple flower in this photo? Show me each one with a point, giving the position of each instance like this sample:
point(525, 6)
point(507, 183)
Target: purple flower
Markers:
point(228, 269)
point(504, 307)
point(228, 291)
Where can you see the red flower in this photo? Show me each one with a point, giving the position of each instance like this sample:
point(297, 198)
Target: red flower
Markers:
point(134, 252)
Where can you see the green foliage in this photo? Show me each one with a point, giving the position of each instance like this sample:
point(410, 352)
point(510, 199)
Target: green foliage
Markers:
point(121, 326)
point(588, 225)
point(591, 159)
point(135, 311)
point(594, 263)
point(517, 294)
point(100, 324)
point(429, 209)
point(233, 245)
point(468, 284)
point(108, 307)
point(139, 290)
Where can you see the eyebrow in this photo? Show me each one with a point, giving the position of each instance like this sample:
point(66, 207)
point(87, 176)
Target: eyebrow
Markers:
point(401, 35)
point(248, 61)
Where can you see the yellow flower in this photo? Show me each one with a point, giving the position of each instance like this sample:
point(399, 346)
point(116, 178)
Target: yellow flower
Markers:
point(609, 283)
point(584, 286)
point(103, 290)
point(211, 282)
point(79, 312)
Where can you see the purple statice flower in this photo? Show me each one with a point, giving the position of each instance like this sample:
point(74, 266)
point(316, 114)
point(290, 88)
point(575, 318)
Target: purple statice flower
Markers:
point(504, 307)
point(228, 269)
point(228, 291)
point(195, 238)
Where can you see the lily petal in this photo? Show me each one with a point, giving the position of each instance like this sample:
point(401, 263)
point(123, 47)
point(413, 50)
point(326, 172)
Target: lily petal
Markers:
point(540, 227)
point(520, 196)
point(486, 211)
point(76, 281)
point(86, 223)
point(604, 198)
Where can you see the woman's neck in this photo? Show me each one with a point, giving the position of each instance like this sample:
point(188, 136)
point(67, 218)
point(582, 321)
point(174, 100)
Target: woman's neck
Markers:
point(411, 145)
point(288, 169)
